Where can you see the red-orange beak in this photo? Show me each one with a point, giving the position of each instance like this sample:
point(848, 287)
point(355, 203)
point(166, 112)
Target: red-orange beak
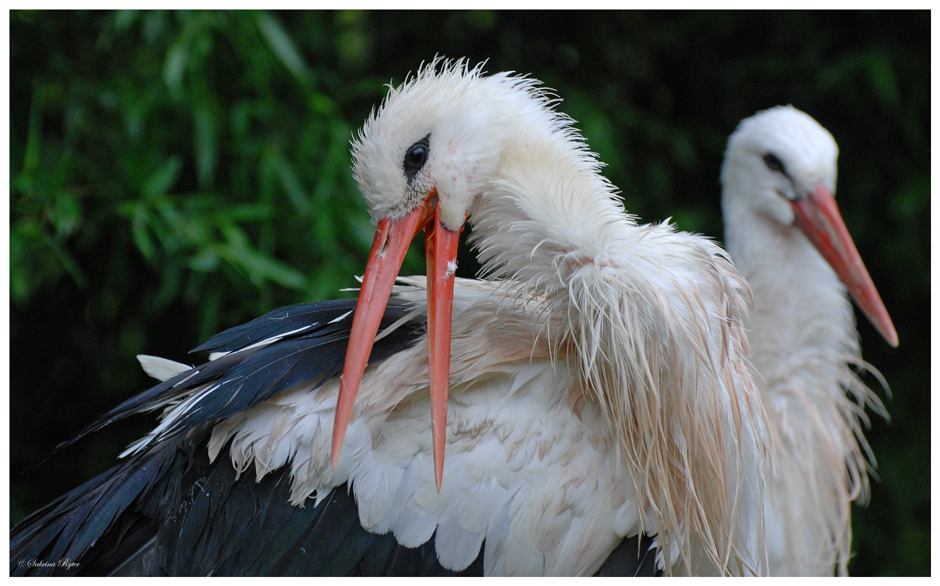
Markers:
point(819, 218)
point(441, 253)
point(391, 242)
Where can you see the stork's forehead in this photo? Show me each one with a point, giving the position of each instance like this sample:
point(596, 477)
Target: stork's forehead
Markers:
point(407, 116)
point(805, 147)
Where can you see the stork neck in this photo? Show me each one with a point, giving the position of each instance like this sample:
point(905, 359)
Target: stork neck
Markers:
point(802, 317)
point(547, 209)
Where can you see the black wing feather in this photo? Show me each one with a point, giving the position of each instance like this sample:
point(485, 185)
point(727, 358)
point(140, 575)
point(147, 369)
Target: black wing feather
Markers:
point(250, 374)
point(283, 320)
point(633, 557)
point(71, 526)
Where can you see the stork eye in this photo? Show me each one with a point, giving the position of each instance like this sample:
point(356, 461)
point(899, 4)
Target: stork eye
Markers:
point(774, 164)
point(416, 156)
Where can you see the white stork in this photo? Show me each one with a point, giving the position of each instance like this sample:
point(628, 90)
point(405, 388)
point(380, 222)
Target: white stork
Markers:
point(598, 387)
point(786, 236)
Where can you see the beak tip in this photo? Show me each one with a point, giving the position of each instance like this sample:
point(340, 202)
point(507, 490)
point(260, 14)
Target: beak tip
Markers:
point(893, 339)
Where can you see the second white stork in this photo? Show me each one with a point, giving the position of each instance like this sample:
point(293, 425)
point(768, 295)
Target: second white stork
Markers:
point(785, 234)
point(595, 388)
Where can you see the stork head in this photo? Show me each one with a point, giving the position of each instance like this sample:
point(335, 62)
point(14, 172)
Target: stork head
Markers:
point(781, 163)
point(421, 161)
point(438, 137)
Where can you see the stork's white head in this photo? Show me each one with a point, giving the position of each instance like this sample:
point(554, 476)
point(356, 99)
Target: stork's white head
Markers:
point(439, 135)
point(781, 164)
point(777, 157)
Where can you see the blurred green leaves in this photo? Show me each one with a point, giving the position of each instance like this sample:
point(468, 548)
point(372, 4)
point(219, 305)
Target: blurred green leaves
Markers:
point(873, 65)
point(283, 47)
point(115, 149)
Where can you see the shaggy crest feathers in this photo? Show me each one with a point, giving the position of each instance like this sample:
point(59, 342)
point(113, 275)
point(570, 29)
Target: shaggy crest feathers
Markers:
point(465, 115)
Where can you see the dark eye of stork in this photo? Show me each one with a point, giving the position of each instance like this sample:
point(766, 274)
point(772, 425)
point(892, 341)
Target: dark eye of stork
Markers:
point(774, 164)
point(415, 157)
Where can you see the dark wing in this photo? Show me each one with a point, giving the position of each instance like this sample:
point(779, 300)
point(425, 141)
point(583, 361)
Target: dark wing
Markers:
point(268, 355)
point(288, 346)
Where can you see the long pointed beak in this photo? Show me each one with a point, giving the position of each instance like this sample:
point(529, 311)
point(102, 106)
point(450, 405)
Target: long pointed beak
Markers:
point(819, 218)
point(441, 250)
point(388, 252)
point(389, 246)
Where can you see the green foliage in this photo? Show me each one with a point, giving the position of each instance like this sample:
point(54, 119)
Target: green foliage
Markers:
point(175, 173)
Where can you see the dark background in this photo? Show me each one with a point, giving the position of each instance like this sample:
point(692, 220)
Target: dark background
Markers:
point(173, 174)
